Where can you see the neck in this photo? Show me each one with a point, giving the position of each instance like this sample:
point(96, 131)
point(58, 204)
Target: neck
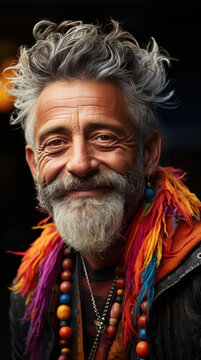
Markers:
point(112, 254)
point(109, 257)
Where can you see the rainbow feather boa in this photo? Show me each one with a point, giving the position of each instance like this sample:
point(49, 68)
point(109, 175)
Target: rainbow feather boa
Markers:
point(147, 239)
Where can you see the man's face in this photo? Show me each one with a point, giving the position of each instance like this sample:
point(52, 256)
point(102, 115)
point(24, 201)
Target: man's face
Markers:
point(83, 127)
point(84, 137)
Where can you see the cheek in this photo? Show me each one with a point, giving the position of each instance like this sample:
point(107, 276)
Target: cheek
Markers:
point(49, 168)
point(119, 161)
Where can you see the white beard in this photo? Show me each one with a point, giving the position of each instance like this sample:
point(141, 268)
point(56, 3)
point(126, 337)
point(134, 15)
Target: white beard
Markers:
point(90, 225)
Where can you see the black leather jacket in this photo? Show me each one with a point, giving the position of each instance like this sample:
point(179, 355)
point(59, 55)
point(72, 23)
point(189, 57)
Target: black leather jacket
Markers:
point(173, 327)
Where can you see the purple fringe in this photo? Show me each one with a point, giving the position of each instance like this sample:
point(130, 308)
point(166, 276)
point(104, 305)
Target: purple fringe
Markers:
point(50, 269)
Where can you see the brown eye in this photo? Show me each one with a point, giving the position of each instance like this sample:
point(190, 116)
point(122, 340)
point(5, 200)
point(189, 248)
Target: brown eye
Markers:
point(56, 142)
point(54, 146)
point(104, 137)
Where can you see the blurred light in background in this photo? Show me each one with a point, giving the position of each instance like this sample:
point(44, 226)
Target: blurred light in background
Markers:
point(6, 100)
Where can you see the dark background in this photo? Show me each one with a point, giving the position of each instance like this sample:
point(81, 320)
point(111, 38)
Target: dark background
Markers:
point(176, 27)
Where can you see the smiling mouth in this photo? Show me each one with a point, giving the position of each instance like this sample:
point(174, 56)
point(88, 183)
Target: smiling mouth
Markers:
point(86, 191)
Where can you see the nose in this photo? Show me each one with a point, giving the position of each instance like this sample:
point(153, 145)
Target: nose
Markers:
point(81, 162)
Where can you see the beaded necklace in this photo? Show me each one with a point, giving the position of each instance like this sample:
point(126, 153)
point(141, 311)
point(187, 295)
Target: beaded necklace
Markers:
point(64, 309)
point(142, 349)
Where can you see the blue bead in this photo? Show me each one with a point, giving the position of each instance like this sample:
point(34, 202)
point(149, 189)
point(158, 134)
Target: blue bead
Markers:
point(149, 193)
point(64, 323)
point(142, 334)
point(65, 299)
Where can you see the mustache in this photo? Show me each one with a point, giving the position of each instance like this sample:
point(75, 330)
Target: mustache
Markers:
point(62, 185)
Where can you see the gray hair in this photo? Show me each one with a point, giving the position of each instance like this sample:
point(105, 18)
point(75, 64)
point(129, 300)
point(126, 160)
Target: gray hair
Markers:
point(74, 50)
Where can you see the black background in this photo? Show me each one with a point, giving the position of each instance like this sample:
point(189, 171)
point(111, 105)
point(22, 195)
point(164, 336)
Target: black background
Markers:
point(176, 27)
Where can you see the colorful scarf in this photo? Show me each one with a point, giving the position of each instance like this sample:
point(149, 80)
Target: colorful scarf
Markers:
point(149, 238)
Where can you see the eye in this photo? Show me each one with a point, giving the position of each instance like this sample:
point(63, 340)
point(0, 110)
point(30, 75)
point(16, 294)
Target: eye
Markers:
point(104, 137)
point(55, 143)
point(104, 141)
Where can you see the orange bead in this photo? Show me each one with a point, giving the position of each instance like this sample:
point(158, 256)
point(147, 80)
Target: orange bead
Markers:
point(144, 306)
point(111, 331)
point(142, 321)
point(65, 287)
point(142, 349)
point(65, 332)
point(65, 351)
point(121, 283)
point(115, 312)
point(120, 292)
point(66, 275)
point(63, 312)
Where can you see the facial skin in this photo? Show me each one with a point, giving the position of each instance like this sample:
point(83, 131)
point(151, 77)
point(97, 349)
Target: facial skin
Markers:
point(84, 128)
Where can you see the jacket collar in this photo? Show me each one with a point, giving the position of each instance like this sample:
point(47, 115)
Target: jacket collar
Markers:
point(191, 262)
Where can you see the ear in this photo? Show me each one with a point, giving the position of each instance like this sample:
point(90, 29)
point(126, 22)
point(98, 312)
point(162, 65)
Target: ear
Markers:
point(152, 153)
point(30, 158)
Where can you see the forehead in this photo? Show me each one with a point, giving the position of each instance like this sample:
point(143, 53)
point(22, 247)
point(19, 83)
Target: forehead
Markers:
point(83, 92)
point(68, 100)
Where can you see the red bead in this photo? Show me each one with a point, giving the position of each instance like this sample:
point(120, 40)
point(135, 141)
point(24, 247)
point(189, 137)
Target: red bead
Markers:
point(66, 287)
point(121, 283)
point(63, 312)
point(66, 252)
point(63, 357)
point(65, 332)
point(67, 264)
point(144, 306)
point(142, 349)
point(64, 343)
point(66, 275)
point(142, 321)
point(115, 312)
point(118, 270)
point(111, 331)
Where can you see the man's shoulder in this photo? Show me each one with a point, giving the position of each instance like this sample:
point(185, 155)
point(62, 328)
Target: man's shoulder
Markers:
point(17, 303)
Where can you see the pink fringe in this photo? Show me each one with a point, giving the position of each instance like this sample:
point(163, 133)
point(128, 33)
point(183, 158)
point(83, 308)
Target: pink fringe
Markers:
point(50, 269)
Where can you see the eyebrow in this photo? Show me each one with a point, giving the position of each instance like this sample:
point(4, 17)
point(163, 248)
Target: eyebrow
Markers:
point(89, 127)
point(53, 130)
point(100, 125)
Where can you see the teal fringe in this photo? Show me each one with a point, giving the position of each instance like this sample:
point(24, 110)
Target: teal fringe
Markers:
point(148, 281)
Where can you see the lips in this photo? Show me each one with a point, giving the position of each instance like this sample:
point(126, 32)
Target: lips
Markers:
point(86, 191)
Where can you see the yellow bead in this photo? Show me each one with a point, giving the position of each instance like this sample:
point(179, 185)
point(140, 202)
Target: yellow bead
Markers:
point(65, 351)
point(113, 321)
point(120, 292)
point(63, 312)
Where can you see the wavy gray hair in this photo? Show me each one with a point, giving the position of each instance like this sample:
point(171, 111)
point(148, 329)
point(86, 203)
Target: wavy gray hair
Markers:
point(74, 50)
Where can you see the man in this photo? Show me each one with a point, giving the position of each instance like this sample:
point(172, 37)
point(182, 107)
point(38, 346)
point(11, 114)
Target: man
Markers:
point(115, 273)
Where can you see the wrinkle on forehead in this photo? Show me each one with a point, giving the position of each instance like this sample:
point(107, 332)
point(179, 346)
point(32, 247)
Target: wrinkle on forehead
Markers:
point(74, 94)
point(86, 104)
point(72, 101)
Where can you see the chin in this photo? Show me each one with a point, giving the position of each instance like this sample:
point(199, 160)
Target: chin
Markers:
point(90, 224)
